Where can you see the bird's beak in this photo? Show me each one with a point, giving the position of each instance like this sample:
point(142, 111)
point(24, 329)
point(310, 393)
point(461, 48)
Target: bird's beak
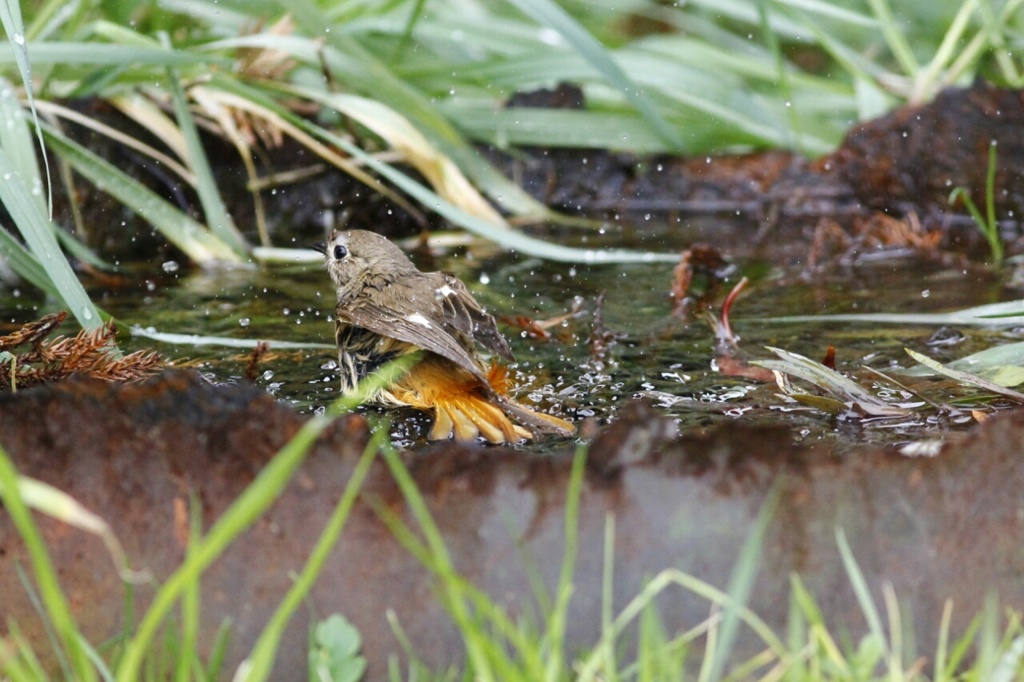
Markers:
point(319, 246)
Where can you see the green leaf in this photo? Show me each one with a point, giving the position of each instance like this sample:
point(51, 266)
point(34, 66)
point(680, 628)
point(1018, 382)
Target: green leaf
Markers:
point(38, 233)
point(334, 654)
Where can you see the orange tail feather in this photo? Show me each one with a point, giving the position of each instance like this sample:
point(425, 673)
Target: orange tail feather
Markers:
point(464, 408)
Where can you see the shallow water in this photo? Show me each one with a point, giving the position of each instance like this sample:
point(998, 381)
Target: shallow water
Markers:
point(669, 361)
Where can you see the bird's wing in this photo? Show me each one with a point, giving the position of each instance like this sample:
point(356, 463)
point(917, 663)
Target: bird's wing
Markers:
point(425, 331)
point(463, 313)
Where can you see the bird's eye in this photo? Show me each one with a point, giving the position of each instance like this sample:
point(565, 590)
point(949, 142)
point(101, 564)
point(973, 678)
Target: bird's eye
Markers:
point(339, 252)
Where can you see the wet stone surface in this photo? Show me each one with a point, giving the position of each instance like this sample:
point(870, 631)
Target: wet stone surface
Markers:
point(934, 528)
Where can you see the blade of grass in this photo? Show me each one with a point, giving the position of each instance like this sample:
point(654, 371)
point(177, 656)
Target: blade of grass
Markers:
point(105, 54)
point(861, 590)
point(190, 600)
point(965, 377)
point(242, 513)
point(505, 237)
point(842, 388)
point(223, 341)
point(587, 669)
point(59, 505)
point(508, 238)
point(775, 48)
point(927, 80)
point(441, 560)
point(243, 98)
point(895, 37)
point(557, 623)
point(198, 243)
point(10, 17)
point(146, 114)
point(741, 582)
point(217, 217)
point(551, 15)
point(16, 139)
point(24, 263)
point(57, 607)
point(38, 233)
point(368, 75)
point(941, 649)
point(608, 593)
point(219, 650)
point(490, 624)
point(265, 649)
point(446, 178)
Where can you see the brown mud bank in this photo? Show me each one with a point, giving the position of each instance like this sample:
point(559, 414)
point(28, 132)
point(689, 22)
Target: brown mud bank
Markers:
point(944, 527)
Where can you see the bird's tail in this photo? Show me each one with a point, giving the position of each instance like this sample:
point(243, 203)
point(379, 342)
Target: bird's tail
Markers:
point(497, 377)
point(465, 409)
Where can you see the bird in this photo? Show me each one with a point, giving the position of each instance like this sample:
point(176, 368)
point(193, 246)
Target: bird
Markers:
point(388, 308)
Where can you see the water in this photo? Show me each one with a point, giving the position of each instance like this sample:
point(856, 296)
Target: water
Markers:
point(649, 354)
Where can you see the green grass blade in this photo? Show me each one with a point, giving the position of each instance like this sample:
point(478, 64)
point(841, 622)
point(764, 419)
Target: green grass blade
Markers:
point(440, 561)
point(10, 17)
point(223, 341)
point(365, 73)
point(81, 53)
point(839, 387)
point(741, 583)
point(608, 595)
point(217, 216)
point(894, 37)
point(191, 599)
point(265, 649)
point(16, 139)
point(551, 15)
point(198, 243)
point(942, 648)
point(926, 81)
point(508, 238)
point(242, 513)
point(38, 233)
point(557, 623)
point(219, 650)
point(239, 516)
point(57, 607)
point(965, 378)
point(860, 589)
point(24, 263)
point(991, 227)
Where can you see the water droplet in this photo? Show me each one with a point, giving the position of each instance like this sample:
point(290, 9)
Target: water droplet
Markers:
point(171, 266)
point(244, 322)
point(86, 314)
